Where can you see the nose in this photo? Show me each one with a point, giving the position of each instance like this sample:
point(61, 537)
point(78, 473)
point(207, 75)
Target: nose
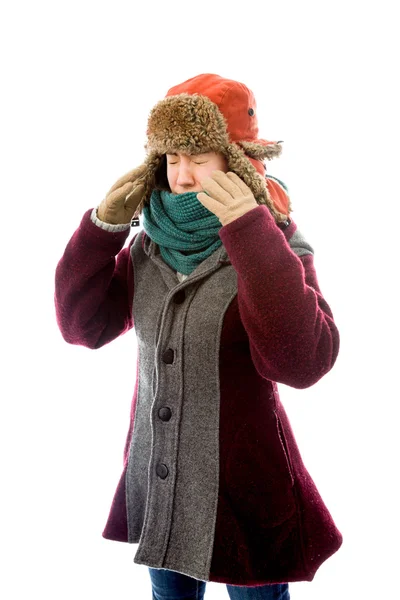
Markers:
point(185, 175)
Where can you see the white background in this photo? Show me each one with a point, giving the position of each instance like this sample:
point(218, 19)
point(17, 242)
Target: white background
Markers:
point(78, 81)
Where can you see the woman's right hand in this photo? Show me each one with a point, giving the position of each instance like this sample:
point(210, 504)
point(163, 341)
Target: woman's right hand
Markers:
point(123, 198)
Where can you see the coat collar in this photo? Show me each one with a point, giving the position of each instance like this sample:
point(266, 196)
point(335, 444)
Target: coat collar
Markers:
point(212, 263)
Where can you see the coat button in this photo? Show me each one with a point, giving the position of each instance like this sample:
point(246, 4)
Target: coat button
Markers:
point(251, 111)
point(164, 413)
point(162, 471)
point(180, 297)
point(168, 356)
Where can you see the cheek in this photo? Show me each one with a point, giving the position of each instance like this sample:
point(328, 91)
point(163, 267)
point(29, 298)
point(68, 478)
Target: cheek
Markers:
point(206, 171)
point(171, 176)
point(220, 163)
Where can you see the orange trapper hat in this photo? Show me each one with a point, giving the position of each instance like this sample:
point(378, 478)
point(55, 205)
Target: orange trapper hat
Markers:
point(209, 113)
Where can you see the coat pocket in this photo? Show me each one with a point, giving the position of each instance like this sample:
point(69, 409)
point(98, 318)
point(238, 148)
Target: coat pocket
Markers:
point(284, 446)
point(258, 474)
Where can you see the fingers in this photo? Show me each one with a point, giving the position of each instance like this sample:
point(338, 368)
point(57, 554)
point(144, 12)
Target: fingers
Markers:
point(227, 183)
point(123, 199)
point(238, 182)
point(117, 197)
point(215, 189)
point(134, 197)
point(225, 186)
point(131, 176)
point(121, 181)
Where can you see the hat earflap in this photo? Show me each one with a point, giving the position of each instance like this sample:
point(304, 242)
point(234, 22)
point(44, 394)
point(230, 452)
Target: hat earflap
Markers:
point(152, 163)
point(239, 164)
point(260, 151)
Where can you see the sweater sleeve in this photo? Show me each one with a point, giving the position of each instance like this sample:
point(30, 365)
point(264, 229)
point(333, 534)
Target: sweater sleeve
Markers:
point(292, 335)
point(94, 284)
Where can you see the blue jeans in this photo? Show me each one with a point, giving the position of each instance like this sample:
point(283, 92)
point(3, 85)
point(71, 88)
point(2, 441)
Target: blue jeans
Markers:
point(175, 586)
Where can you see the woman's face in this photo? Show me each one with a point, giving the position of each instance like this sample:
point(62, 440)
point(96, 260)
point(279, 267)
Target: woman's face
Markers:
point(185, 172)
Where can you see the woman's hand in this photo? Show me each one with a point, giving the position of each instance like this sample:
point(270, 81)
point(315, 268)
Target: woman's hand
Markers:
point(123, 198)
point(228, 197)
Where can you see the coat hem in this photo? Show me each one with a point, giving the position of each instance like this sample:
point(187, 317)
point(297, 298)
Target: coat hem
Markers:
point(114, 538)
point(171, 567)
point(224, 580)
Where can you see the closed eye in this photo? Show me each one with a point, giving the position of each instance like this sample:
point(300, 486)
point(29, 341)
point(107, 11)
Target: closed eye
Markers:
point(196, 163)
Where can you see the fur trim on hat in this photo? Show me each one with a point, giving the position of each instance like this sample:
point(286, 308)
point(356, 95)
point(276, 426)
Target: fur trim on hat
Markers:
point(259, 151)
point(186, 123)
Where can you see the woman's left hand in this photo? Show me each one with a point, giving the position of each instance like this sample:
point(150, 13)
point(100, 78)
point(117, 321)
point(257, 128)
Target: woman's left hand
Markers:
point(228, 197)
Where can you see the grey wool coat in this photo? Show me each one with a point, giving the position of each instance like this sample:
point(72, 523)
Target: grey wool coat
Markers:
point(212, 484)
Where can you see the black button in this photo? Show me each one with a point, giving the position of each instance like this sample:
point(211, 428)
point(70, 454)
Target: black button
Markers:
point(162, 471)
point(251, 112)
point(168, 356)
point(180, 297)
point(164, 413)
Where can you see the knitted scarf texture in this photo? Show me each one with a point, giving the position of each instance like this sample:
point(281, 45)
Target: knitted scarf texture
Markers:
point(186, 231)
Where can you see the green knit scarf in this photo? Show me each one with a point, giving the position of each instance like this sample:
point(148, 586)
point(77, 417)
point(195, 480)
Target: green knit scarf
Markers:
point(186, 231)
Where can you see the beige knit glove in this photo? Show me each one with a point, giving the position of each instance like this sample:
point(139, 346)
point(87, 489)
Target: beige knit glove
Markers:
point(120, 203)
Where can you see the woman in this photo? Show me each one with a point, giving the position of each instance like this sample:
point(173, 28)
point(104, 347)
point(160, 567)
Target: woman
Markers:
point(223, 295)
